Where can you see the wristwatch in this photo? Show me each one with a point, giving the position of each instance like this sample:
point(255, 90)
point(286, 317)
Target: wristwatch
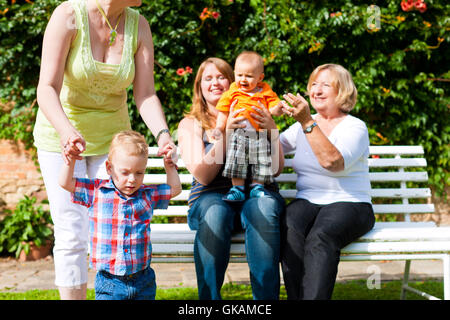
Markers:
point(310, 128)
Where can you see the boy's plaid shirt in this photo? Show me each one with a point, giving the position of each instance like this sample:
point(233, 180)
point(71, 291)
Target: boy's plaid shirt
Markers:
point(119, 228)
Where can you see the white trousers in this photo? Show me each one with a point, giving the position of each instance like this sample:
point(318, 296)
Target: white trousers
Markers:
point(70, 220)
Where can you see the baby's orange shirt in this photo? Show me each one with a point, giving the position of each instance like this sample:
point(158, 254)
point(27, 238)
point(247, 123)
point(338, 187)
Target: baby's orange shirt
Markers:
point(266, 96)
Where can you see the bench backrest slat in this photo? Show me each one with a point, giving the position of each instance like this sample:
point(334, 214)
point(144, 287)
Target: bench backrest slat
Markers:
point(289, 177)
point(380, 150)
point(393, 150)
point(396, 193)
point(373, 163)
point(390, 175)
point(181, 210)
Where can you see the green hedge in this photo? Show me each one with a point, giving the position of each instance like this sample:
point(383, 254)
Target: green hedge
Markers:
point(399, 60)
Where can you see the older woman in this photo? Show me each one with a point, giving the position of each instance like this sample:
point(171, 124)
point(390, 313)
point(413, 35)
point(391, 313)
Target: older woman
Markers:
point(92, 51)
point(333, 206)
point(214, 219)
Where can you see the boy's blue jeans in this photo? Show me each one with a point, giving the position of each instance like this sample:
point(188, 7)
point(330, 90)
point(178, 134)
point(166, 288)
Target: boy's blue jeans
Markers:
point(138, 286)
point(214, 220)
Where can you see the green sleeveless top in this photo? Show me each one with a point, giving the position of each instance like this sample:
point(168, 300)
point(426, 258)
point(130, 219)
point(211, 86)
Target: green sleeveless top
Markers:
point(93, 93)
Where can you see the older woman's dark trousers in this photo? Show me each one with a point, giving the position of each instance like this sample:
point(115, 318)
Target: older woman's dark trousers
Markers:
point(312, 238)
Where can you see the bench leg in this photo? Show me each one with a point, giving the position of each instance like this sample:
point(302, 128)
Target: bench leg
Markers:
point(405, 279)
point(446, 274)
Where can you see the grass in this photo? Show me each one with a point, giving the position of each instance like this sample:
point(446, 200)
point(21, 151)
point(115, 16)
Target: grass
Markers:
point(350, 290)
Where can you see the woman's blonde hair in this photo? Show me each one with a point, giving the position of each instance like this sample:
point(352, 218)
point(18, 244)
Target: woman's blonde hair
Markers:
point(199, 108)
point(131, 142)
point(343, 82)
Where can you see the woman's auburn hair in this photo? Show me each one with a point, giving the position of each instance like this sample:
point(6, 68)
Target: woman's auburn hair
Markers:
point(343, 82)
point(199, 109)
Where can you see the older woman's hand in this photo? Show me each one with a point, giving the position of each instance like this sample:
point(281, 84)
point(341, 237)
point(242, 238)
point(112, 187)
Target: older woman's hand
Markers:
point(299, 108)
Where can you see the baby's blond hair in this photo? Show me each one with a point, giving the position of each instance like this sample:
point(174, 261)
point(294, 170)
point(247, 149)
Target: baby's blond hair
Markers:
point(251, 57)
point(131, 142)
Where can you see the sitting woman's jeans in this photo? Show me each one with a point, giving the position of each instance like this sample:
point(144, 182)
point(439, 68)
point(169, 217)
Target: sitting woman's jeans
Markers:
point(214, 220)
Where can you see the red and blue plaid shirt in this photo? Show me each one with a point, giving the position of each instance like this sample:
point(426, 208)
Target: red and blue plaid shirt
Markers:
point(119, 228)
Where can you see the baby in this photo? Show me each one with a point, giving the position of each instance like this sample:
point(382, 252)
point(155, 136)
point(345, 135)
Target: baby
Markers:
point(248, 147)
point(120, 210)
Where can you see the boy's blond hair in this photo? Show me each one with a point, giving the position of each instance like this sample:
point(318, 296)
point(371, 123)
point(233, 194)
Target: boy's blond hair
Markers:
point(131, 142)
point(251, 57)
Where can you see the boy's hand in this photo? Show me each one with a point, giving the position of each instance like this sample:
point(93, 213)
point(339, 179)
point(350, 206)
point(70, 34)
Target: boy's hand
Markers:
point(173, 179)
point(170, 156)
point(169, 151)
point(72, 148)
point(66, 179)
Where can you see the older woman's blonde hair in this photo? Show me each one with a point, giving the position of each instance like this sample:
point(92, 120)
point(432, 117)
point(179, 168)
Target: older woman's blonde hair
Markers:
point(343, 82)
point(199, 109)
point(131, 142)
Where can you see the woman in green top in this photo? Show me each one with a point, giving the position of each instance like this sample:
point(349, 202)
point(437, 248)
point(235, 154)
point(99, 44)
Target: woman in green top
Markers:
point(92, 51)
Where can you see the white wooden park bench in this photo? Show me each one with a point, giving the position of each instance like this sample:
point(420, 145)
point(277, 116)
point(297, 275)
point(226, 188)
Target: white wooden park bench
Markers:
point(399, 189)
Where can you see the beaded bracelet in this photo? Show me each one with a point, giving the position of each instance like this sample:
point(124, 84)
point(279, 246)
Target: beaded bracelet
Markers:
point(160, 133)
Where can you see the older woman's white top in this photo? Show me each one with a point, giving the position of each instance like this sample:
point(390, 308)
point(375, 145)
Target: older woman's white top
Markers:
point(320, 186)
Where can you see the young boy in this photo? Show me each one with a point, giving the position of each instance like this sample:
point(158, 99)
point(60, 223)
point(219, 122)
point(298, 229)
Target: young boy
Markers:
point(249, 146)
point(120, 211)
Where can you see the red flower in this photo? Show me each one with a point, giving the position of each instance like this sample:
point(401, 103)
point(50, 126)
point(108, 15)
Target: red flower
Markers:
point(188, 69)
point(421, 6)
point(215, 15)
point(406, 5)
point(181, 71)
